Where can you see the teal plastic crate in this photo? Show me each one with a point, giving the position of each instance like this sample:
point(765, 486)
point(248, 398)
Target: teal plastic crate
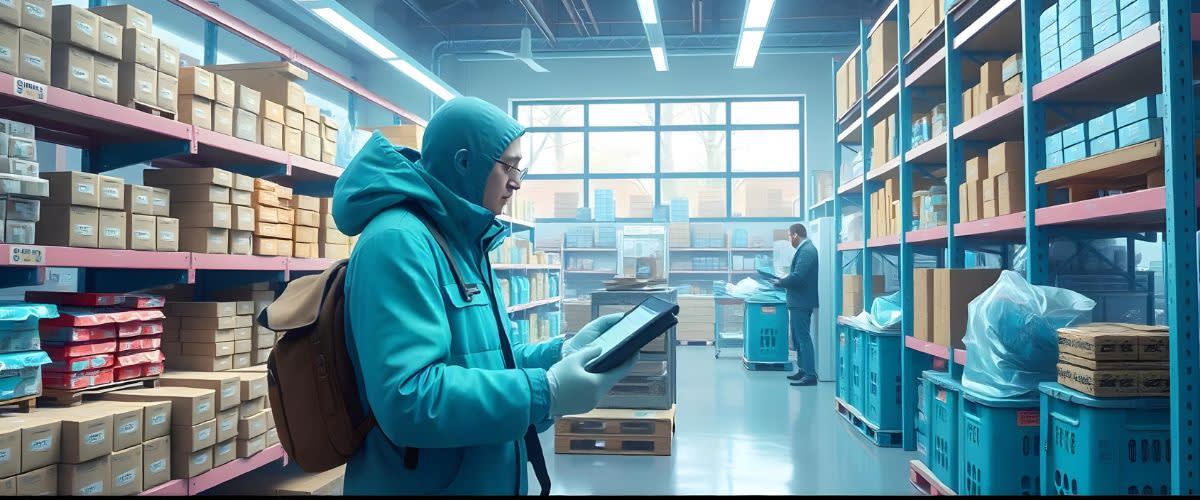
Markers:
point(858, 368)
point(943, 398)
point(1104, 446)
point(766, 332)
point(882, 397)
point(1000, 445)
point(843, 363)
point(923, 408)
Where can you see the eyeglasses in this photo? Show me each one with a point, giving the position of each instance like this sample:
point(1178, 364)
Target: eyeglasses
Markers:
point(513, 172)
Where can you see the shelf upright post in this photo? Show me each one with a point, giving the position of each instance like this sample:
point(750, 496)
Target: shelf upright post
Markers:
point(1179, 137)
point(867, 143)
point(837, 199)
point(908, 371)
point(1037, 242)
point(954, 149)
point(210, 40)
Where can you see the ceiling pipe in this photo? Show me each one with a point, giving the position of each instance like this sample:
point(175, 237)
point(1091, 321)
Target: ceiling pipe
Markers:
point(538, 21)
point(569, 5)
point(423, 16)
point(587, 7)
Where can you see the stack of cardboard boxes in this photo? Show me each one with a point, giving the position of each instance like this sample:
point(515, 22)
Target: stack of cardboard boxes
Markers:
point(20, 186)
point(852, 292)
point(994, 86)
point(26, 36)
point(208, 336)
point(91, 211)
point(274, 219)
point(408, 136)
point(884, 137)
point(848, 89)
point(995, 183)
point(333, 244)
point(885, 209)
point(200, 200)
point(149, 227)
point(252, 299)
point(924, 16)
point(148, 71)
point(192, 423)
point(306, 232)
point(940, 299)
point(1115, 359)
point(882, 52)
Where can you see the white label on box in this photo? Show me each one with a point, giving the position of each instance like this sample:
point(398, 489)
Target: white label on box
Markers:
point(140, 23)
point(5, 454)
point(125, 478)
point(166, 94)
point(35, 10)
point(222, 217)
point(158, 465)
point(42, 444)
point(226, 425)
point(127, 428)
point(158, 419)
point(94, 437)
point(141, 235)
point(225, 448)
point(84, 229)
point(111, 192)
point(35, 61)
point(84, 27)
point(228, 391)
point(203, 434)
point(80, 73)
point(202, 407)
point(30, 90)
point(203, 81)
point(141, 199)
point(6, 53)
point(167, 236)
point(144, 86)
point(215, 240)
point(6, 3)
point(92, 489)
point(104, 81)
point(18, 233)
point(86, 188)
point(160, 202)
point(147, 48)
point(109, 37)
point(169, 58)
point(26, 255)
point(199, 459)
point(112, 232)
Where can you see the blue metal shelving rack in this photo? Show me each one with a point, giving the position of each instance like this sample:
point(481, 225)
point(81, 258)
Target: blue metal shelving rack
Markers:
point(934, 70)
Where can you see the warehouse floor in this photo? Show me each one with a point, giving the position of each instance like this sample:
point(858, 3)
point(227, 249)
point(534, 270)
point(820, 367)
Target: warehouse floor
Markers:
point(740, 433)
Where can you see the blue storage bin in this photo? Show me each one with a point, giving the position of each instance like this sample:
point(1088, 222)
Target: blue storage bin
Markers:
point(1139, 8)
point(1139, 132)
point(1070, 31)
point(1105, 27)
point(1054, 158)
point(1000, 445)
point(1102, 9)
point(1054, 142)
point(858, 367)
point(1104, 446)
point(1133, 26)
point(1075, 152)
point(1138, 110)
point(943, 426)
point(1101, 125)
point(1076, 53)
point(882, 398)
point(1049, 18)
point(923, 408)
point(843, 363)
point(766, 332)
point(1073, 135)
point(1102, 144)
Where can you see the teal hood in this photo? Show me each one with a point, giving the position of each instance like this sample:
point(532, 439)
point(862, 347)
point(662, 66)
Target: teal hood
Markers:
point(383, 176)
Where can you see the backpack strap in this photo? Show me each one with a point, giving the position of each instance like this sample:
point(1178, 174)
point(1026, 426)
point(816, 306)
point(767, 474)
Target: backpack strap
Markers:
point(533, 445)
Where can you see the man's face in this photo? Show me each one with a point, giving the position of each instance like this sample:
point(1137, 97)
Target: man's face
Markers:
point(795, 239)
point(503, 181)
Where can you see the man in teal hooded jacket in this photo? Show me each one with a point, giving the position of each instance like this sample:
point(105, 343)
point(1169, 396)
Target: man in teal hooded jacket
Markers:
point(429, 362)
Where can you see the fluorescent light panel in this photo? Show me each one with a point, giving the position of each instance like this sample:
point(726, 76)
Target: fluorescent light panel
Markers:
point(649, 11)
point(758, 12)
point(660, 58)
point(747, 51)
point(421, 78)
point(349, 29)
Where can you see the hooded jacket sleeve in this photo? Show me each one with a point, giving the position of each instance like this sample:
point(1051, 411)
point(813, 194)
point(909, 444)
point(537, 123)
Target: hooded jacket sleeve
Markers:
point(401, 335)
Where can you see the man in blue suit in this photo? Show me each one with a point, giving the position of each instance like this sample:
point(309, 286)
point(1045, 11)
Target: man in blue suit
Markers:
point(801, 286)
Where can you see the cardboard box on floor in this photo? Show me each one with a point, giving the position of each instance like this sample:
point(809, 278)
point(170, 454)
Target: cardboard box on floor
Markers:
point(953, 290)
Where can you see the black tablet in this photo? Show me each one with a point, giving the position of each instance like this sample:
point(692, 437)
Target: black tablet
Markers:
point(638, 327)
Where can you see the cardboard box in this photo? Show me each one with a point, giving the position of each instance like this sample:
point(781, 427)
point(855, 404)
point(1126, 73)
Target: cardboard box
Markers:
point(34, 59)
point(111, 192)
point(156, 461)
point(293, 140)
point(189, 438)
point(226, 387)
point(139, 47)
point(307, 218)
point(1115, 342)
point(266, 246)
point(1010, 193)
point(160, 200)
point(1006, 157)
point(222, 119)
point(252, 425)
point(127, 471)
point(411, 135)
point(329, 128)
point(211, 350)
point(254, 385)
point(109, 39)
point(140, 232)
point(974, 200)
point(303, 234)
point(310, 203)
point(923, 327)
point(882, 52)
point(991, 77)
point(168, 98)
point(168, 59)
point(39, 482)
point(10, 449)
point(72, 68)
point(243, 219)
point(88, 478)
point(312, 127)
point(242, 347)
point(168, 234)
point(976, 168)
point(272, 133)
point(335, 251)
point(73, 188)
point(261, 355)
point(136, 82)
point(202, 215)
point(10, 46)
point(224, 452)
point(1013, 86)
point(241, 360)
point(10, 14)
point(312, 147)
point(198, 82)
point(128, 422)
point(273, 111)
point(206, 309)
point(106, 78)
point(248, 447)
point(252, 406)
point(137, 199)
point(76, 26)
point(968, 104)
point(200, 193)
point(111, 231)
point(226, 90)
point(37, 16)
point(1100, 383)
point(127, 16)
point(185, 465)
point(329, 152)
point(953, 290)
point(245, 125)
point(227, 421)
point(330, 235)
point(189, 406)
point(200, 363)
point(248, 99)
point(69, 226)
point(196, 111)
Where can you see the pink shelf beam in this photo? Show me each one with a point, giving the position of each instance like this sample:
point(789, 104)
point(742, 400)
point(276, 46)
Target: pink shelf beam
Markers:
point(994, 226)
point(1002, 121)
point(854, 185)
point(931, 151)
point(884, 241)
point(219, 475)
point(935, 350)
point(888, 169)
point(1147, 206)
point(930, 72)
point(927, 235)
point(223, 262)
point(850, 246)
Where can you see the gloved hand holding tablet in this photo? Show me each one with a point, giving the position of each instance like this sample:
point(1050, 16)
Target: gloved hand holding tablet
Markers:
point(638, 327)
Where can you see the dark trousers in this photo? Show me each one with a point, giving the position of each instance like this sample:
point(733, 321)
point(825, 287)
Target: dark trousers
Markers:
point(801, 320)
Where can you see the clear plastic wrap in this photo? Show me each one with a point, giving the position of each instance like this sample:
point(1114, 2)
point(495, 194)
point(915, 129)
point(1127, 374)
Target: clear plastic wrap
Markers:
point(852, 227)
point(1012, 335)
point(884, 315)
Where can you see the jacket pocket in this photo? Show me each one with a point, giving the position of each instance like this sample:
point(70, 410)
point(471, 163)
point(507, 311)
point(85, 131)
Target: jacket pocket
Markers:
point(455, 297)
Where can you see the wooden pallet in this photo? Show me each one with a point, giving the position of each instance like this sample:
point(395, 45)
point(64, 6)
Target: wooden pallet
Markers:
point(693, 342)
point(612, 445)
point(151, 109)
point(63, 397)
point(23, 404)
point(883, 438)
point(760, 366)
point(925, 481)
point(626, 422)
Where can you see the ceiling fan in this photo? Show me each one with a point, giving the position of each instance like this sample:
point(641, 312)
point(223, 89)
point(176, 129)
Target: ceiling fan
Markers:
point(524, 53)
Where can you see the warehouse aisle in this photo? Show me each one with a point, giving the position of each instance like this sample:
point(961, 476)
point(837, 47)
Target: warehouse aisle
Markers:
point(741, 433)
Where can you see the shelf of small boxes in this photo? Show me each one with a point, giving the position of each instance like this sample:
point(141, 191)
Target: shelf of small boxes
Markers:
point(258, 112)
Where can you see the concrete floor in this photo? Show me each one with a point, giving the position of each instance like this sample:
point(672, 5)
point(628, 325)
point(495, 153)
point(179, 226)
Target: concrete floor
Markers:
point(741, 433)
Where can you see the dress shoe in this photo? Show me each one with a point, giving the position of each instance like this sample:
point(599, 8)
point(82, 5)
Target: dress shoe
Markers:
point(807, 380)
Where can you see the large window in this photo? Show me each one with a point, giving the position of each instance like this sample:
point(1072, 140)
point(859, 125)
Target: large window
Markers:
point(721, 157)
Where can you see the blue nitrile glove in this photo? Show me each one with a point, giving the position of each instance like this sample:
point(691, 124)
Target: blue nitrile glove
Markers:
point(574, 390)
point(589, 333)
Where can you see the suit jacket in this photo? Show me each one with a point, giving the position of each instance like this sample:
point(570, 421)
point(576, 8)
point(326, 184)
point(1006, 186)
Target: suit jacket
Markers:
point(801, 283)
